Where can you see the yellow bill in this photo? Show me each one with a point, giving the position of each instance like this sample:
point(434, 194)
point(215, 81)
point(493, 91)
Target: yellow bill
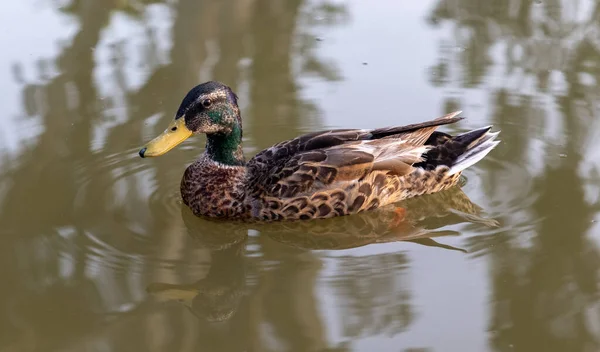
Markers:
point(176, 133)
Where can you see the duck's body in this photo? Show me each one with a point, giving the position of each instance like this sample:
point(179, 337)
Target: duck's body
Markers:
point(317, 175)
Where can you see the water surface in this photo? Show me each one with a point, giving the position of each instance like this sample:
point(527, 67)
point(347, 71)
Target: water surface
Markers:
point(98, 253)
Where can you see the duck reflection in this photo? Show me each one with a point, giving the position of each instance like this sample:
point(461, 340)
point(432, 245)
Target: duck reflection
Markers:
point(217, 296)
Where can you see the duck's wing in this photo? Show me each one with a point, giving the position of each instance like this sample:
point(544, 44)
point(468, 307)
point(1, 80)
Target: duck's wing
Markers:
point(316, 160)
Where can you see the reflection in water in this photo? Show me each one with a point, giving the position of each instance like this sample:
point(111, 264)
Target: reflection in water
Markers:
point(544, 294)
point(216, 296)
point(275, 284)
point(374, 301)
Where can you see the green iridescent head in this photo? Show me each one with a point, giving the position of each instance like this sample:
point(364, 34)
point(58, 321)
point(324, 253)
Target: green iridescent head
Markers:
point(210, 108)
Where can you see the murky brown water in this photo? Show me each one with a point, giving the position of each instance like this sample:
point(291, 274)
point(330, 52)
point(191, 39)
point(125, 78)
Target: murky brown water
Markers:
point(98, 254)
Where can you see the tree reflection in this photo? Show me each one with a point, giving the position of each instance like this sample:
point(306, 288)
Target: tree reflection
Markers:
point(544, 294)
point(380, 302)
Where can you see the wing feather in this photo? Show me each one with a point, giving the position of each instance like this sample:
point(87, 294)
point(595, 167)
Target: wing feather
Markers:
point(313, 161)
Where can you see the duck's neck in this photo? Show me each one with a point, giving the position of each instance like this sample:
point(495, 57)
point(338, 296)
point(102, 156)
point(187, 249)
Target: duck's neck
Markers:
point(226, 148)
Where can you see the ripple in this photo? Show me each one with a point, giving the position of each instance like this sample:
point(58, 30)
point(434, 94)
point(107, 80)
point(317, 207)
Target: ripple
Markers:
point(166, 201)
point(505, 192)
point(112, 171)
point(113, 167)
point(131, 208)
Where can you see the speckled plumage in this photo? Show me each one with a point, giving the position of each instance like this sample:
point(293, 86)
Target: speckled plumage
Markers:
point(215, 190)
point(321, 174)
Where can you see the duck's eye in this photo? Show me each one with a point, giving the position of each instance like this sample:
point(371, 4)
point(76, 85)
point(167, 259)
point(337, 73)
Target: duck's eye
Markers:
point(206, 103)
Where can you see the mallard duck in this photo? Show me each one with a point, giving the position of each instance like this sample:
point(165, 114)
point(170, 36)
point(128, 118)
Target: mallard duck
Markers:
point(315, 175)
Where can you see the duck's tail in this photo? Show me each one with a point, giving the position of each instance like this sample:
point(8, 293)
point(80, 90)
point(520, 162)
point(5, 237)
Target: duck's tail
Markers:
point(478, 144)
point(458, 152)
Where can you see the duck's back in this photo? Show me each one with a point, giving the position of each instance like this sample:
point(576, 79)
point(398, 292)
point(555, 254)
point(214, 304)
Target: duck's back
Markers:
point(341, 172)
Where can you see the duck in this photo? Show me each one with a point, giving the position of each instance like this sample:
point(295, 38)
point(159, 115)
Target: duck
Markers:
point(317, 175)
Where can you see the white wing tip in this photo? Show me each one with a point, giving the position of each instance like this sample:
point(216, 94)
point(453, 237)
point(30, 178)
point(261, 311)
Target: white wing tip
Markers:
point(467, 160)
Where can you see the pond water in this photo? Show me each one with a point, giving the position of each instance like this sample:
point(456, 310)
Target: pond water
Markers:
point(99, 254)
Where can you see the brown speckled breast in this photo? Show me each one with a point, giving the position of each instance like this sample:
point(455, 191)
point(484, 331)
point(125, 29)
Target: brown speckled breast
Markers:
point(214, 190)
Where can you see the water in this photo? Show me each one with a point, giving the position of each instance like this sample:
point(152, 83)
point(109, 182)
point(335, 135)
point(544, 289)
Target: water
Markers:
point(98, 253)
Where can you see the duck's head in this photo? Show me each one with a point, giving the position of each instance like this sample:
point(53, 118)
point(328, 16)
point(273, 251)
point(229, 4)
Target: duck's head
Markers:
point(209, 108)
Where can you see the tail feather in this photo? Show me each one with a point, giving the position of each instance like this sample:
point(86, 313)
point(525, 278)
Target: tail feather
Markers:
point(475, 151)
point(473, 136)
point(458, 152)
